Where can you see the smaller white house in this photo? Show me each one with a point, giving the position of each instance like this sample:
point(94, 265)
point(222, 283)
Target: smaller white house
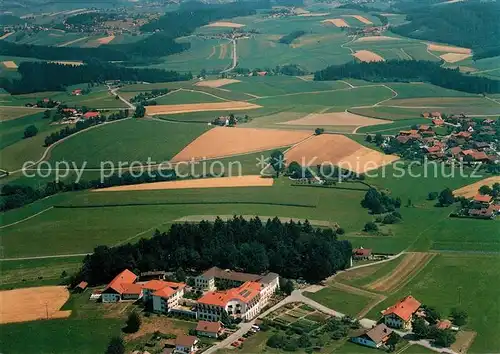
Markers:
point(209, 329)
point(375, 337)
point(186, 344)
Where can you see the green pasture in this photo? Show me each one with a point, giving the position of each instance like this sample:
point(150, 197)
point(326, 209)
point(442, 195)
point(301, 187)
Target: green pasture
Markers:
point(390, 113)
point(421, 89)
point(49, 38)
point(459, 280)
point(335, 100)
point(467, 105)
point(8, 113)
point(394, 127)
point(186, 97)
point(59, 336)
point(280, 85)
point(339, 300)
point(127, 141)
point(13, 130)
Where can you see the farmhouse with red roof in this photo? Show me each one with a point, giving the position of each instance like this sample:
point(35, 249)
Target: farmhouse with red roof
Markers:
point(400, 315)
point(91, 115)
point(209, 329)
point(119, 288)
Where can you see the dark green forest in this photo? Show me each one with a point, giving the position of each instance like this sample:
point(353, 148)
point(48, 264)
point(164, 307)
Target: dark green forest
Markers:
point(40, 76)
point(410, 70)
point(192, 15)
point(156, 45)
point(292, 250)
point(469, 24)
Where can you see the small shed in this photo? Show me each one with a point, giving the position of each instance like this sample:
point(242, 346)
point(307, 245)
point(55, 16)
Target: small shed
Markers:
point(80, 287)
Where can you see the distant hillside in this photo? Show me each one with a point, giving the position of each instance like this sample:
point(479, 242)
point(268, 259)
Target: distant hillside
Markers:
point(10, 20)
point(473, 25)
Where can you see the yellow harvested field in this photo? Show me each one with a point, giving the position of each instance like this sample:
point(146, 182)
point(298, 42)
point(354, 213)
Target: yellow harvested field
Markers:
point(471, 190)
point(6, 35)
point(216, 83)
point(224, 141)
point(454, 57)
point(200, 107)
point(225, 24)
point(222, 182)
point(367, 56)
point(9, 64)
point(337, 150)
point(466, 69)
point(337, 118)
point(389, 14)
point(74, 63)
point(376, 39)
point(360, 19)
point(105, 40)
point(448, 49)
point(337, 22)
point(30, 304)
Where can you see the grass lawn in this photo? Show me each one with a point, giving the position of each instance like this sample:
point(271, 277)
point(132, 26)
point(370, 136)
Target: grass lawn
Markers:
point(100, 99)
point(338, 300)
point(390, 113)
point(128, 141)
point(459, 280)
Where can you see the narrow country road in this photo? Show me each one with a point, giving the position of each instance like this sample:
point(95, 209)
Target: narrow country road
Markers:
point(235, 58)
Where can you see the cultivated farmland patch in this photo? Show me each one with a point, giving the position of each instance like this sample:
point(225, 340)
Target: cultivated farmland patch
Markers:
point(338, 150)
point(367, 56)
point(337, 22)
point(216, 83)
point(200, 107)
point(409, 266)
point(471, 190)
point(105, 40)
point(222, 182)
point(448, 49)
point(360, 19)
point(30, 304)
point(454, 57)
point(225, 24)
point(222, 142)
point(376, 39)
point(336, 118)
point(9, 64)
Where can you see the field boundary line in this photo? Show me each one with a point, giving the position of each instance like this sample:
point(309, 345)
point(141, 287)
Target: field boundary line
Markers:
point(212, 53)
point(205, 93)
point(45, 257)
point(27, 218)
point(139, 234)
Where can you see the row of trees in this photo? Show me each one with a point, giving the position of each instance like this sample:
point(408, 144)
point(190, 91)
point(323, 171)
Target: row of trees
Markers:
point(145, 96)
point(410, 70)
point(380, 202)
point(17, 195)
point(43, 76)
point(293, 250)
point(67, 130)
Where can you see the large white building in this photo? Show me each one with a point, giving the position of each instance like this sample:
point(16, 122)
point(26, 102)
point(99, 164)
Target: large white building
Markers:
point(245, 302)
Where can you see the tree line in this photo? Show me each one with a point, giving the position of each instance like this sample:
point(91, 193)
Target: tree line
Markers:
point(192, 15)
point(156, 45)
point(18, 195)
point(410, 70)
point(287, 39)
point(293, 250)
point(40, 76)
point(468, 24)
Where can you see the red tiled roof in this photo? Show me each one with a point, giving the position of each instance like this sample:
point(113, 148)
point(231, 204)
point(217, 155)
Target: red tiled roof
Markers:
point(436, 114)
point(245, 293)
point(444, 324)
point(433, 149)
point(456, 150)
point(479, 155)
point(404, 309)
point(154, 285)
point(185, 341)
point(363, 252)
point(132, 288)
point(464, 135)
point(91, 114)
point(207, 326)
point(483, 198)
point(424, 127)
point(438, 122)
point(119, 283)
point(82, 285)
point(165, 292)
